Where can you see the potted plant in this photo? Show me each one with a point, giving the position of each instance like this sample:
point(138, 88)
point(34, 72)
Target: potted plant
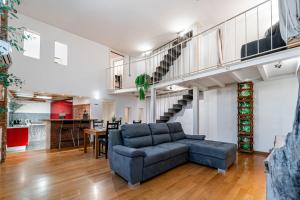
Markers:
point(10, 37)
point(142, 83)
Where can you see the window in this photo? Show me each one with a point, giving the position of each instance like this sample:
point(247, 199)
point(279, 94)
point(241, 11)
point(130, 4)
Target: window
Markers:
point(61, 54)
point(32, 44)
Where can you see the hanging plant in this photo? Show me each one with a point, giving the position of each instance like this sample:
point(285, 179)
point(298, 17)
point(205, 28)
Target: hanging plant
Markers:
point(142, 83)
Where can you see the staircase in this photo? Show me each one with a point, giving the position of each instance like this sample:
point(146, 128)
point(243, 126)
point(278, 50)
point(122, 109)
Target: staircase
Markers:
point(168, 59)
point(176, 107)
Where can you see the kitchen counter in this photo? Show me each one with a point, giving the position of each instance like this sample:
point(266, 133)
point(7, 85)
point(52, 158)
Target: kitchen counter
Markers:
point(53, 127)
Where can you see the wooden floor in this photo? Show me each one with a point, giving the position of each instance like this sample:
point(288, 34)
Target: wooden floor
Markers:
point(75, 175)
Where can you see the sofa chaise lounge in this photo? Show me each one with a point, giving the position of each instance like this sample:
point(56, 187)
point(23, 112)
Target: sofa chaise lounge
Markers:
point(139, 152)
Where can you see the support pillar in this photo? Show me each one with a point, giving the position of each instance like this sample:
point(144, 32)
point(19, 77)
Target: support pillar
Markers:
point(195, 111)
point(153, 105)
point(3, 104)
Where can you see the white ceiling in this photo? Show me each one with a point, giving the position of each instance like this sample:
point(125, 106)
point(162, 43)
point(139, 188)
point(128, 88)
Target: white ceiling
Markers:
point(288, 67)
point(132, 26)
point(267, 72)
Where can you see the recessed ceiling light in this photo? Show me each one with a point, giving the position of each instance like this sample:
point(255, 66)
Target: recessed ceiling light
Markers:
point(175, 88)
point(144, 47)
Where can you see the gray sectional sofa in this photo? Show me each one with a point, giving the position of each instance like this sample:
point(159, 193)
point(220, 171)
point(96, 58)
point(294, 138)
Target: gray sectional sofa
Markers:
point(139, 152)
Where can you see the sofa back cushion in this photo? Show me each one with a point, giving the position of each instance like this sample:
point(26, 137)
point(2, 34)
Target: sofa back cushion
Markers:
point(160, 133)
point(176, 131)
point(136, 135)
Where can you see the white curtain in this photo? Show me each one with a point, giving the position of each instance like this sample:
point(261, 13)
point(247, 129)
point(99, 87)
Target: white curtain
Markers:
point(289, 14)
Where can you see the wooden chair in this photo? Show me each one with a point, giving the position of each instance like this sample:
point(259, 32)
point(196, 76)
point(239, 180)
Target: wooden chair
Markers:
point(104, 141)
point(97, 124)
point(119, 122)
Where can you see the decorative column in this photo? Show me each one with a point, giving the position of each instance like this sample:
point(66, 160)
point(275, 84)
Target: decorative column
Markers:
point(195, 111)
point(153, 105)
point(245, 117)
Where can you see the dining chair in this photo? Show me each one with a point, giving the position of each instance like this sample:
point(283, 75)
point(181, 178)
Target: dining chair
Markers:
point(119, 122)
point(103, 142)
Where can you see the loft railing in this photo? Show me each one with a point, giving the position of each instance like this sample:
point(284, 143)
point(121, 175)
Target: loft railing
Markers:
point(250, 34)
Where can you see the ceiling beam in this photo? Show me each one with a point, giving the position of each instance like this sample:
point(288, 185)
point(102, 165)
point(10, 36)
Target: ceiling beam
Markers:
point(263, 73)
point(216, 81)
point(235, 75)
point(198, 85)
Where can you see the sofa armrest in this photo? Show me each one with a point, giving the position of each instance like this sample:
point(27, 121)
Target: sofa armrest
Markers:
point(128, 152)
point(114, 138)
point(195, 137)
point(128, 163)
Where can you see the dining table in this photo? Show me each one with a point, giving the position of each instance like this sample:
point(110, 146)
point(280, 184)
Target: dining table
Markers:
point(96, 133)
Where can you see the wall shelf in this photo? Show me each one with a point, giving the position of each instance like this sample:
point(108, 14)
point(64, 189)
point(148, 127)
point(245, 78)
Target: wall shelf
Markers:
point(245, 117)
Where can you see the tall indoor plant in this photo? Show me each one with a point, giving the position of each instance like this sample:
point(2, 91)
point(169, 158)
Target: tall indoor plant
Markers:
point(142, 83)
point(10, 37)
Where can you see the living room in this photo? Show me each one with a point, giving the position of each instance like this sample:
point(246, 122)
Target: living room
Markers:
point(202, 105)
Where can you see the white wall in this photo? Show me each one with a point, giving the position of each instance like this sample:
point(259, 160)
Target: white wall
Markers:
point(84, 75)
point(34, 107)
point(185, 118)
point(275, 104)
point(131, 102)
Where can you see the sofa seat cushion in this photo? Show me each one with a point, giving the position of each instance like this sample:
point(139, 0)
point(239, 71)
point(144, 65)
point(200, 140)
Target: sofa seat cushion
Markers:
point(160, 133)
point(215, 149)
point(187, 141)
point(136, 135)
point(176, 131)
point(174, 148)
point(155, 154)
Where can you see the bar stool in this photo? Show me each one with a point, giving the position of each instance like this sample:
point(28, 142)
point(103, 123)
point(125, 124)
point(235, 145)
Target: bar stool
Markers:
point(66, 127)
point(81, 128)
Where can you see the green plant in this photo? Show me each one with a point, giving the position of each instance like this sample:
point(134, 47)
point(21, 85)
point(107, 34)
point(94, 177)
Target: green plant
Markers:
point(246, 129)
point(245, 86)
point(245, 93)
point(245, 122)
point(114, 118)
point(142, 83)
point(246, 146)
point(245, 111)
point(244, 104)
point(245, 139)
point(10, 37)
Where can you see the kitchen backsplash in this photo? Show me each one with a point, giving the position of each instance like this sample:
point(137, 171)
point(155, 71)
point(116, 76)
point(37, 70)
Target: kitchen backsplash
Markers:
point(33, 117)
